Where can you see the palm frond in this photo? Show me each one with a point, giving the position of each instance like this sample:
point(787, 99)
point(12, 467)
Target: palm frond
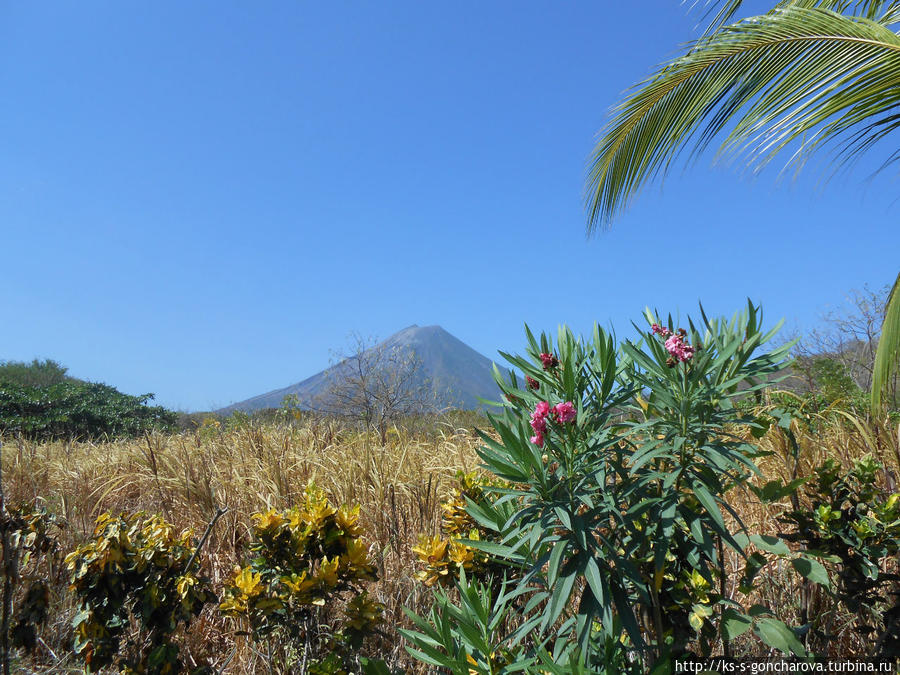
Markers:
point(797, 74)
point(721, 11)
point(885, 12)
point(887, 356)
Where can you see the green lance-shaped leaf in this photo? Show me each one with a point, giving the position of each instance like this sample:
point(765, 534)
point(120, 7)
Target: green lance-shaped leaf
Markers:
point(887, 356)
point(770, 544)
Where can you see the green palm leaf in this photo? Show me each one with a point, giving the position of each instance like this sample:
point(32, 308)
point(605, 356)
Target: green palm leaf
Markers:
point(800, 74)
point(887, 357)
point(807, 73)
point(884, 12)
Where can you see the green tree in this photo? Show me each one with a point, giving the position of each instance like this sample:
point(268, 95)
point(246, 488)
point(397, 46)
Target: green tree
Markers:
point(35, 374)
point(806, 75)
point(78, 410)
point(834, 381)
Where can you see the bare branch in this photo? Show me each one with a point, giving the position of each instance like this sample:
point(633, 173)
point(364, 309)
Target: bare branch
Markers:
point(376, 385)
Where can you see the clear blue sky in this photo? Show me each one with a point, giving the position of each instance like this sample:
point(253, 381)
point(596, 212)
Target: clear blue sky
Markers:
point(203, 199)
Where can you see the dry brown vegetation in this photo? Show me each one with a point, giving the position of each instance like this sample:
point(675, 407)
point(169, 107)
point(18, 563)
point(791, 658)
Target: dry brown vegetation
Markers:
point(247, 468)
point(186, 477)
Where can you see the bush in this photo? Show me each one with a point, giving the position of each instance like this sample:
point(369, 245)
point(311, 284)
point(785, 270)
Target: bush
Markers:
point(29, 553)
point(855, 525)
point(35, 374)
point(617, 464)
point(135, 570)
point(443, 559)
point(304, 560)
point(78, 410)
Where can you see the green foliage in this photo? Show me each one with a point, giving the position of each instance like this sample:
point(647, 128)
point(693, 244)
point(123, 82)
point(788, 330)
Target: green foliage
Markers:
point(35, 374)
point(468, 637)
point(887, 358)
point(473, 637)
point(238, 419)
point(835, 383)
point(853, 522)
point(82, 410)
point(794, 78)
point(290, 409)
point(617, 493)
point(31, 536)
point(304, 560)
point(135, 569)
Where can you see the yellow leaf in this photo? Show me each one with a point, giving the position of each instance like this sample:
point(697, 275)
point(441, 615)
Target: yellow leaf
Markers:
point(268, 520)
point(248, 582)
point(658, 578)
point(698, 615)
point(328, 572)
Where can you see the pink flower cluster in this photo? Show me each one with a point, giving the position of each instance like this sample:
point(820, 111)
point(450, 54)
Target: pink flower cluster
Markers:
point(549, 361)
point(676, 347)
point(562, 413)
point(675, 344)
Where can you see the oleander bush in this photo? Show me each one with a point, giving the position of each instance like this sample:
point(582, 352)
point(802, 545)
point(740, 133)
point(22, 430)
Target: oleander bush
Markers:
point(619, 463)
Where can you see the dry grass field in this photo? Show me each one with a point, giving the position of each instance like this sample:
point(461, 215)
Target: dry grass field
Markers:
point(186, 477)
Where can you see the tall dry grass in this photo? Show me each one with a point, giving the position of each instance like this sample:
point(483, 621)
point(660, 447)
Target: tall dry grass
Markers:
point(186, 477)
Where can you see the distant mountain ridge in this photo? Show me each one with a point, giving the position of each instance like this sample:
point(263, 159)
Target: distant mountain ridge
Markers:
point(459, 374)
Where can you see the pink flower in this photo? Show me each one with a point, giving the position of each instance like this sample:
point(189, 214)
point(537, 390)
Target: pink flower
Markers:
point(539, 422)
point(532, 383)
point(676, 347)
point(539, 419)
point(549, 361)
point(659, 330)
point(564, 412)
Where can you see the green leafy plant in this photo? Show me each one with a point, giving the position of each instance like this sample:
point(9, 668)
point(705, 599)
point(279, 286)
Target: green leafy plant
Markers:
point(135, 569)
point(468, 637)
point(303, 560)
point(29, 537)
point(835, 385)
point(617, 467)
point(854, 524)
point(38, 373)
